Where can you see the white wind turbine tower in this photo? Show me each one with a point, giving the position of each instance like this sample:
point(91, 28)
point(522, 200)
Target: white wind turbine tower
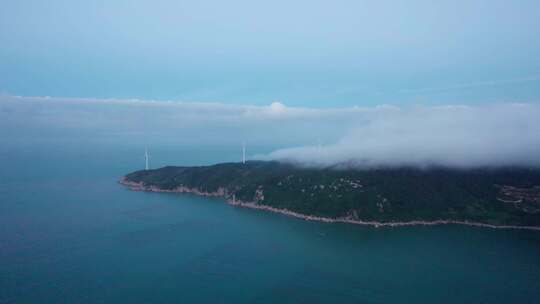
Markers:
point(243, 152)
point(146, 158)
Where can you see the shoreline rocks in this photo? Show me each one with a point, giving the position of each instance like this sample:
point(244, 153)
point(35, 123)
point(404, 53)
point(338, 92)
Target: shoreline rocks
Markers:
point(222, 192)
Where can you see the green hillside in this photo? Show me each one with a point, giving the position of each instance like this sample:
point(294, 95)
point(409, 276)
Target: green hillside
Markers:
point(508, 196)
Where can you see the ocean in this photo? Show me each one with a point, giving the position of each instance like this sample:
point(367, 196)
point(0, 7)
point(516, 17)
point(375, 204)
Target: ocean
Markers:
point(69, 233)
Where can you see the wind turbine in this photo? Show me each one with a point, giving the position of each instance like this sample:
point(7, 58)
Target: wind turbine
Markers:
point(146, 158)
point(243, 152)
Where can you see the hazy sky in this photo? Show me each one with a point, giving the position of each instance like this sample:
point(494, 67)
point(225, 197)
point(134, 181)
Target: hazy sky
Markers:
point(322, 82)
point(302, 53)
point(458, 136)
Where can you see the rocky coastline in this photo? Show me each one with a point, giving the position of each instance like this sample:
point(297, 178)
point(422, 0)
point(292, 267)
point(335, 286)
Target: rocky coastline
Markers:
point(222, 193)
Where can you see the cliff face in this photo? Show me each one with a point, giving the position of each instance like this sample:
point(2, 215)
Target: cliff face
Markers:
point(493, 197)
point(141, 186)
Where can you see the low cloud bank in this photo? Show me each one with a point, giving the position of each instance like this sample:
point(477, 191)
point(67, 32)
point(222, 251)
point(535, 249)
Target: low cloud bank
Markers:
point(452, 136)
point(455, 136)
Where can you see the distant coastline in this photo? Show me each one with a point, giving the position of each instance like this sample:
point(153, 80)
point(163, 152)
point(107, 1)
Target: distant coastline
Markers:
point(222, 193)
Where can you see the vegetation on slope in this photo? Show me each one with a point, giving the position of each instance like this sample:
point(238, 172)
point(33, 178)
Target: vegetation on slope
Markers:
point(494, 196)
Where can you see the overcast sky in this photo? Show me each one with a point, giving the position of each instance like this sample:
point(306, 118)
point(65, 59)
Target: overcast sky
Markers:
point(302, 53)
point(322, 82)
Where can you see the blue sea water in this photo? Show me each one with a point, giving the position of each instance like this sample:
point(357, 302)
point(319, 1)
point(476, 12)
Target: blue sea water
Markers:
point(69, 233)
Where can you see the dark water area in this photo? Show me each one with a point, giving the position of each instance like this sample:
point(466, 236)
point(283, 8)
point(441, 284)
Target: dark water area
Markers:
point(69, 233)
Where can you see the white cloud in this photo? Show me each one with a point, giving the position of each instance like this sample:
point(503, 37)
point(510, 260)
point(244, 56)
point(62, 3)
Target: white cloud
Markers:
point(456, 136)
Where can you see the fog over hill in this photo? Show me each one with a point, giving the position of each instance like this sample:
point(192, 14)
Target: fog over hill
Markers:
point(455, 136)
